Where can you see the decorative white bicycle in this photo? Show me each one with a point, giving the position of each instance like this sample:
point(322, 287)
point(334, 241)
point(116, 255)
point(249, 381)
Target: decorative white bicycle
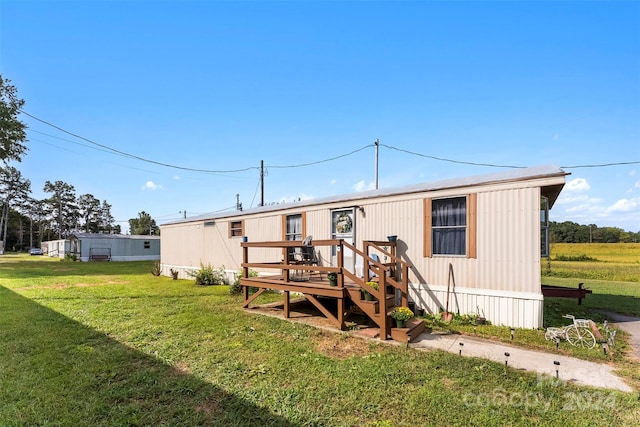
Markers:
point(578, 334)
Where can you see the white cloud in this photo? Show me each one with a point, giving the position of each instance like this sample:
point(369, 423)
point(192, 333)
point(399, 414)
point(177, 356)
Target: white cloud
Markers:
point(363, 186)
point(577, 184)
point(150, 185)
point(333, 181)
point(176, 177)
point(556, 136)
point(637, 184)
point(624, 205)
point(633, 173)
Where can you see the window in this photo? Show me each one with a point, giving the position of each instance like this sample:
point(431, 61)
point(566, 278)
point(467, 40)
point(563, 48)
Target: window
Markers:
point(450, 226)
point(236, 229)
point(293, 227)
point(544, 227)
point(147, 244)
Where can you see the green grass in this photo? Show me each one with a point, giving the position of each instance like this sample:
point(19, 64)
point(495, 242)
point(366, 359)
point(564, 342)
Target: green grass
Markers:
point(107, 344)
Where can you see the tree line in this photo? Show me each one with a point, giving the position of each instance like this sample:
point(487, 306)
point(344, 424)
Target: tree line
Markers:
point(26, 221)
point(570, 232)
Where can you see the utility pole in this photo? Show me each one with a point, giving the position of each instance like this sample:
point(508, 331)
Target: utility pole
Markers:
point(238, 204)
point(376, 174)
point(261, 182)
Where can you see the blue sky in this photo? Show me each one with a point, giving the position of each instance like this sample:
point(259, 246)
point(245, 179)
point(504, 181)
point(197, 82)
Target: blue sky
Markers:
point(221, 86)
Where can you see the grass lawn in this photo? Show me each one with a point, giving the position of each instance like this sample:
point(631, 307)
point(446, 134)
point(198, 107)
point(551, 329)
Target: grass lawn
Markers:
point(104, 344)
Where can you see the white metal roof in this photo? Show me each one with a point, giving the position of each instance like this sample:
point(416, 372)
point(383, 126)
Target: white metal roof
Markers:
point(520, 174)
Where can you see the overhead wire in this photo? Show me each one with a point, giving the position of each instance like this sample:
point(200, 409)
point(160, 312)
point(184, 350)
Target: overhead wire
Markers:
point(133, 156)
point(321, 161)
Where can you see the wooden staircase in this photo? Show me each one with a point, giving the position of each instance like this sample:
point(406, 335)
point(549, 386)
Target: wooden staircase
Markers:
point(384, 298)
point(371, 309)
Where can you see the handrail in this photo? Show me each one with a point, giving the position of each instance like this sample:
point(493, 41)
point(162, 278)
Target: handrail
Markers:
point(405, 266)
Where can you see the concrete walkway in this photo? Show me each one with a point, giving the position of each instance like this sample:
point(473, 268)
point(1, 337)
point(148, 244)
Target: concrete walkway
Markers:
point(570, 369)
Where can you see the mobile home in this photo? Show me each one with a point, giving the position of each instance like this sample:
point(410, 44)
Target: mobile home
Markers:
point(105, 247)
point(475, 242)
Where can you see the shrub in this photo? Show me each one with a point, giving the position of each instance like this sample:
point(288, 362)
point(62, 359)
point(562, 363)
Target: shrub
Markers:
point(578, 258)
point(156, 270)
point(70, 258)
point(236, 288)
point(208, 276)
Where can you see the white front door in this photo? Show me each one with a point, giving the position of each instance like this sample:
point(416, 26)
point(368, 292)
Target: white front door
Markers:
point(343, 226)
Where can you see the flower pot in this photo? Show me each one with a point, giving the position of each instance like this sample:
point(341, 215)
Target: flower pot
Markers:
point(333, 282)
point(367, 296)
point(392, 238)
point(400, 323)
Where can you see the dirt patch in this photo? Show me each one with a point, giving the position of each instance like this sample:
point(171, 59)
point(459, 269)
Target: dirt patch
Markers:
point(339, 346)
point(210, 408)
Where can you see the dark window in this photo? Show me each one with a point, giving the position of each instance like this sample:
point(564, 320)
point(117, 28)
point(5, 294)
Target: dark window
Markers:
point(147, 244)
point(449, 226)
point(544, 227)
point(236, 229)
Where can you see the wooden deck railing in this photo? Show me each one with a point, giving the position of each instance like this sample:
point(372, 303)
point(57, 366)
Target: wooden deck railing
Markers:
point(349, 284)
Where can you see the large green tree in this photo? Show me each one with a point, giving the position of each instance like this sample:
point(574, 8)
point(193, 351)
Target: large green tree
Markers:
point(14, 191)
point(90, 212)
point(12, 131)
point(63, 207)
point(144, 224)
point(107, 220)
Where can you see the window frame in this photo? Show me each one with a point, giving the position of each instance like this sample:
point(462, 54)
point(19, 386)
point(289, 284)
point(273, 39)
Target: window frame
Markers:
point(471, 210)
point(236, 228)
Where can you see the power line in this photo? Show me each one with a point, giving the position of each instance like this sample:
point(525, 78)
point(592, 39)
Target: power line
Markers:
point(106, 148)
point(450, 160)
point(122, 153)
point(601, 165)
point(321, 161)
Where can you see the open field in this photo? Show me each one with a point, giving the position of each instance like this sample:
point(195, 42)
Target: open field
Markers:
point(105, 344)
point(598, 261)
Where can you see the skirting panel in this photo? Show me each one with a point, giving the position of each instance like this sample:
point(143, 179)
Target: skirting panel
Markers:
point(515, 309)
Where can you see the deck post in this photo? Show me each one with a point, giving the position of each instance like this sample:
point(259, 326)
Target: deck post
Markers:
point(287, 302)
point(341, 312)
point(405, 285)
point(382, 294)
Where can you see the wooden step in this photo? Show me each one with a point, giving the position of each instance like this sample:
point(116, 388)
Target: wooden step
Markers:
point(409, 334)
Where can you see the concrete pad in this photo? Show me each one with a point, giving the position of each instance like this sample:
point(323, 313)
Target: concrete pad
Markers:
point(574, 370)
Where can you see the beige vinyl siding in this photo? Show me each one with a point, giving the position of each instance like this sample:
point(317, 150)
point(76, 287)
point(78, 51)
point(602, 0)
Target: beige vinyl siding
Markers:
point(509, 240)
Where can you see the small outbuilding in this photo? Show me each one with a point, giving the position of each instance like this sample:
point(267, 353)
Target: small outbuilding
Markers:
point(472, 245)
point(106, 247)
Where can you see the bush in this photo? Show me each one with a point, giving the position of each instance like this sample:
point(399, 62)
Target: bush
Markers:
point(236, 288)
point(208, 276)
point(70, 258)
point(156, 270)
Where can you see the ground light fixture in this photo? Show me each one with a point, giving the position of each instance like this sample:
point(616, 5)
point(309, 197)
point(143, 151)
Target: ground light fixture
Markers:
point(506, 358)
point(461, 345)
point(557, 363)
point(512, 331)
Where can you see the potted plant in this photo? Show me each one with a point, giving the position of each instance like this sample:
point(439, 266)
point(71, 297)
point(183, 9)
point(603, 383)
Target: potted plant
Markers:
point(401, 315)
point(333, 278)
point(366, 294)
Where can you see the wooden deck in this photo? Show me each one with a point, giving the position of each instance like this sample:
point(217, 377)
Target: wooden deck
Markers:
point(348, 295)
